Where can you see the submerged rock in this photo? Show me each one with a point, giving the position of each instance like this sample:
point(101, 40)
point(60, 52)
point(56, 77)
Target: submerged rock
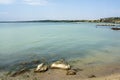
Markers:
point(35, 61)
point(71, 72)
point(60, 65)
point(41, 68)
point(23, 63)
point(13, 74)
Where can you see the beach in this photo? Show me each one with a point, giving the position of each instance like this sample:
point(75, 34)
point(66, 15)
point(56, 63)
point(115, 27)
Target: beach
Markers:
point(100, 72)
point(59, 40)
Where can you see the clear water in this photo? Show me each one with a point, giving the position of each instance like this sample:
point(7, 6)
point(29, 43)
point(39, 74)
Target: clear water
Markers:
point(28, 41)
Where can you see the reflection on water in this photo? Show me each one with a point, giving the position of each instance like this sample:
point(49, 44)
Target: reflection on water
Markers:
point(29, 41)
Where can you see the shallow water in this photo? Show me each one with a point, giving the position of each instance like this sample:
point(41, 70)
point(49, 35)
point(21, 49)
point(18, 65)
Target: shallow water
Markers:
point(52, 41)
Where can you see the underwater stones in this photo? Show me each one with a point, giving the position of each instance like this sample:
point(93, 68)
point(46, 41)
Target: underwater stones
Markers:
point(60, 65)
point(71, 72)
point(35, 61)
point(13, 74)
point(41, 68)
point(23, 63)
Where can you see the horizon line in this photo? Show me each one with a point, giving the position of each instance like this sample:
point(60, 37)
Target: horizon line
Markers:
point(38, 20)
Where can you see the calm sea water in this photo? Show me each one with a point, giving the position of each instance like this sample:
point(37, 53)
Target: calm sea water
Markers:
point(52, 41)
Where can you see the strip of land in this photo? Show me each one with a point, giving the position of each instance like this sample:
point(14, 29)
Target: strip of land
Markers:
point(102, 20)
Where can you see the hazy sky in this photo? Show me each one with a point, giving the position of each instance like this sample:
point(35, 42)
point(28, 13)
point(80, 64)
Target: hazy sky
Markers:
point(58, 9)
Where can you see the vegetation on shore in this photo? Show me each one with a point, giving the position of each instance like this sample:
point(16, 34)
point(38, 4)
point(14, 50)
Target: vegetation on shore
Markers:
point(105, 20)
point(111, 20)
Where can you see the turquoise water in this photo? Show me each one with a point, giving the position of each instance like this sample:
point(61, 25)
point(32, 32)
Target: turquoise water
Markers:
point(52, 41)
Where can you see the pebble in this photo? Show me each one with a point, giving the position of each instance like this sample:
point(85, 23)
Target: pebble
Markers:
point(71, 72)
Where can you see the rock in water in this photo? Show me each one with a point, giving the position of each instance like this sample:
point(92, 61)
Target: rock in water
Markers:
point(60, 65)
point(18, 72)
point(36, 61)
point(41, 68)
point(71, 72)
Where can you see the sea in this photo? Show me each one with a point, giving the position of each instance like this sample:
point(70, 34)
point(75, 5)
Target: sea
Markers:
point(51, 41)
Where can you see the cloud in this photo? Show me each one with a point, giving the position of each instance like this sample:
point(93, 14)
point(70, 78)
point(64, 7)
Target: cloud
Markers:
point(6, 1)
point(36, 2)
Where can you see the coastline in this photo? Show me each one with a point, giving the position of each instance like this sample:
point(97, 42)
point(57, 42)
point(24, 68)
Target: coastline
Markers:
point(89, 66)
point(102, 72)
point(114, 20)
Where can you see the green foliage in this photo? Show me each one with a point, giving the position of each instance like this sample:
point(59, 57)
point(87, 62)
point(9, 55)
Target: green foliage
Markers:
point(111, 20)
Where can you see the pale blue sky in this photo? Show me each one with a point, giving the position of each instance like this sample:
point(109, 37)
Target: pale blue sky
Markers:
point(58, 9)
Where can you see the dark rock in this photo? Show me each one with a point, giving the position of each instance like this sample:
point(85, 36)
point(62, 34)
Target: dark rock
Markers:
point(115, 28)
point(71, 72)
point(13, 74)
point(29, 63)
point(24, 63)
point(35, 61)
point(27, 76)
point(91, 76)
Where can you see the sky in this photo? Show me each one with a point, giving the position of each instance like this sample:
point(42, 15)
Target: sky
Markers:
point(58, 9)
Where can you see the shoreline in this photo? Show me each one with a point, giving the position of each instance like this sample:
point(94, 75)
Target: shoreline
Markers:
point(94, 61)
point(102, 72)
point(101, 20)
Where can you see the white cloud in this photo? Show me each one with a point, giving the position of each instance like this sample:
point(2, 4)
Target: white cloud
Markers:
point(36, 2)
point(6, 1)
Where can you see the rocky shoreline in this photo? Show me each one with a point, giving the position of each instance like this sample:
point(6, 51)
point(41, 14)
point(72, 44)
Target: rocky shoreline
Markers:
point(62, 70)
point(43, 67)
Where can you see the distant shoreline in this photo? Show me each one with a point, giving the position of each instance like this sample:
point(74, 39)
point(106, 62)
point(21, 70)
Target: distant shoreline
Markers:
point(47, 21)
point(105, 20)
